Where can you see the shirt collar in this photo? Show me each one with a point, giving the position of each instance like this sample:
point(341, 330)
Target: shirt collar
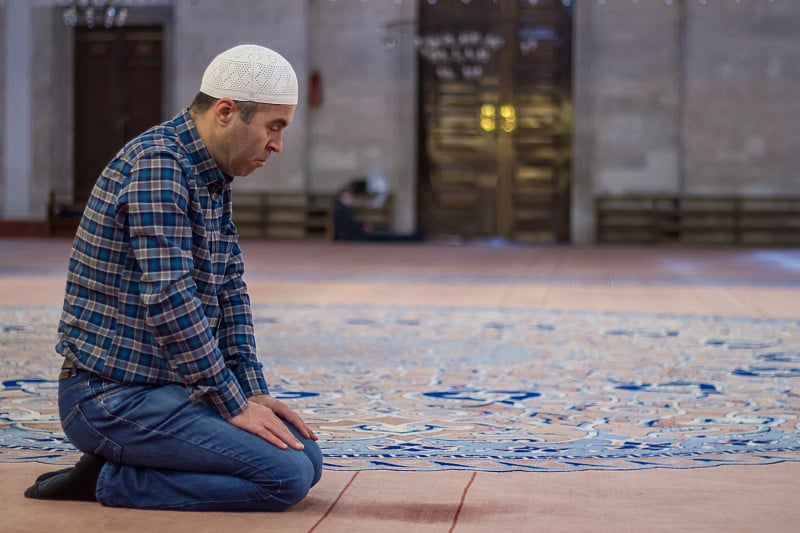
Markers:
point(209, 173)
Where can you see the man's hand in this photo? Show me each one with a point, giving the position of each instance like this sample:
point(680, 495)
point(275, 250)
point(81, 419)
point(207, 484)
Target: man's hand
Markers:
point(264, 417)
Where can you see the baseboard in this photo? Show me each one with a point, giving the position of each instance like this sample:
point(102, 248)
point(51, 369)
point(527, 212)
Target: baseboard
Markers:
point(23, 228)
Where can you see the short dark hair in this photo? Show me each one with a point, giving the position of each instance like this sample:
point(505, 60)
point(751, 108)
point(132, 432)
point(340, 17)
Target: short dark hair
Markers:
point(203, 102)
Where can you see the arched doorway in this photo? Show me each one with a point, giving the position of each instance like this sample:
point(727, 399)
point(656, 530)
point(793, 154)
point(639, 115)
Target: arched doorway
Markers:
point(496, 131)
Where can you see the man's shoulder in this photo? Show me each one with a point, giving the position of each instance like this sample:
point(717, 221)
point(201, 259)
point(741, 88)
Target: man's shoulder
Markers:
point(160, 142)
point(161, 138)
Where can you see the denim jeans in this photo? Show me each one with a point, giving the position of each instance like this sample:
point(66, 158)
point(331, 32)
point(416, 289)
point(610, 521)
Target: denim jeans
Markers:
point(167, 452)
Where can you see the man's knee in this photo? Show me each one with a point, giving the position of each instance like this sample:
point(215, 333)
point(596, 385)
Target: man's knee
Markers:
point(314, 455)
point(312, 452)
point(293, 488)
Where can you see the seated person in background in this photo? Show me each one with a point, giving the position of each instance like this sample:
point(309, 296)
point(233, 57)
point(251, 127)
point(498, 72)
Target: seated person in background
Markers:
point(347, 228)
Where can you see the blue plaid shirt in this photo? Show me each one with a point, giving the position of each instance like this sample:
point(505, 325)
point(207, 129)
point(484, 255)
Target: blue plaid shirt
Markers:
point(154, 289)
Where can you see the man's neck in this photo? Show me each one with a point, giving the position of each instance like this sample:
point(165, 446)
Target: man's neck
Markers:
point(204, 125)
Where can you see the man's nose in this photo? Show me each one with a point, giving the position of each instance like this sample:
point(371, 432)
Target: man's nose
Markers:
point(275, 145)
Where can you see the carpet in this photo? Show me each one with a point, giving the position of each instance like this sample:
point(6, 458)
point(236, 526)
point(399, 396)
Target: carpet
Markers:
point(440, 388)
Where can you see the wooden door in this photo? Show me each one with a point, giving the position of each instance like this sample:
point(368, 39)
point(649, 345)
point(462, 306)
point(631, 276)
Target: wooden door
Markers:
point(118, 88)
point(496, 147)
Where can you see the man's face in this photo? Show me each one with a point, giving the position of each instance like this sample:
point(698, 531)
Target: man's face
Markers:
point(248, 146)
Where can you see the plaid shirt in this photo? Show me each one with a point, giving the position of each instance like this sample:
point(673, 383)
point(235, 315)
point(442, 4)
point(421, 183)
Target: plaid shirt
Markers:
point(154, 289)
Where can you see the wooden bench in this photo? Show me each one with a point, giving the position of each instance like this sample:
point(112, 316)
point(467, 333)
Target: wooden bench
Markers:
point(301, 215)
point(63, 214)
point(256, 215)
point(698, 219)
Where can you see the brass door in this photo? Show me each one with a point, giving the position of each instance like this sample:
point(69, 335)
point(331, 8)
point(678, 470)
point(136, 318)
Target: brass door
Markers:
point(495, 160)
point(118, 87)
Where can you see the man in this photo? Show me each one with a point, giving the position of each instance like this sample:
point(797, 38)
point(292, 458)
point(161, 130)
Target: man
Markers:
point(161, 388)
point(347, 228)
point(345, 225)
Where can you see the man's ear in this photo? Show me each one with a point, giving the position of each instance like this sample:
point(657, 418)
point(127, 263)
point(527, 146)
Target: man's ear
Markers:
point(224, 109)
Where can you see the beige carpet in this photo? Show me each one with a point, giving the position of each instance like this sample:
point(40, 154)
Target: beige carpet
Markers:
point(702, 282)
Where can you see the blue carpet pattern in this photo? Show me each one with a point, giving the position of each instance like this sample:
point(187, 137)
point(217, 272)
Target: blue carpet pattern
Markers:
point(437, 388)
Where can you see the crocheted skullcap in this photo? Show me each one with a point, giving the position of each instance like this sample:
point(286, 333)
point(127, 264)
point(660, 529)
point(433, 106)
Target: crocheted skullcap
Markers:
point(251, 73)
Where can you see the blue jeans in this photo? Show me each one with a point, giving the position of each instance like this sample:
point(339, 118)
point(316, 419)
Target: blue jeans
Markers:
point(167, 452)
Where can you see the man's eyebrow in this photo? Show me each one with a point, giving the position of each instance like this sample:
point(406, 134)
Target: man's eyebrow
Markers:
point(280, 121)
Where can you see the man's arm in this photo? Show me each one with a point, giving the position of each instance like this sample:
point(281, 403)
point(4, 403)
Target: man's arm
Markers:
point(237, 343)
point(156, 202)
point(236, 337)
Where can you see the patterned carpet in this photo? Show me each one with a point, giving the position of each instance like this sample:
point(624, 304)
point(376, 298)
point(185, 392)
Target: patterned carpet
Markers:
point(437, 388)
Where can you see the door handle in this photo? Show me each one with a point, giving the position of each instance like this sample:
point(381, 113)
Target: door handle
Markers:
point(508, 118)
point(488, 117)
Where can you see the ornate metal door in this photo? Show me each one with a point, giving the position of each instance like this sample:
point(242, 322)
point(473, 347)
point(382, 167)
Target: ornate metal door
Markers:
point(495, 119)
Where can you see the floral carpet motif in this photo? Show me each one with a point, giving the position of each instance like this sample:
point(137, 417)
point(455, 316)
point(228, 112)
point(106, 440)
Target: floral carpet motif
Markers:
point(436, 388)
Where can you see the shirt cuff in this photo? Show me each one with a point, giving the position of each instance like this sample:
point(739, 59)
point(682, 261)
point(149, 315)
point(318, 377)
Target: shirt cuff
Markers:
point(252, 381)
point(228, 399)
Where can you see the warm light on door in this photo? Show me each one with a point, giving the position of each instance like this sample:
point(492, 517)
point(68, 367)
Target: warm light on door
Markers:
point(509, 118)
point(488, 117)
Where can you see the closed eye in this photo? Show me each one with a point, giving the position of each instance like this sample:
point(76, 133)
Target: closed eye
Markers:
point(277, 125)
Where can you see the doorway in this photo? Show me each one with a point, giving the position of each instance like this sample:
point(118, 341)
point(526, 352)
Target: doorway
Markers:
point(495, 119)
point(118, 92)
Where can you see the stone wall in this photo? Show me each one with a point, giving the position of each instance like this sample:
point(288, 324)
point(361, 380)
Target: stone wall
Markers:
point(366, 121)
point(366, 124)
point(742, 111)
point(204, 28)
point(627, 70)
point(3, 132)
point(688, 98)
point(684, 99)
point(636, 91)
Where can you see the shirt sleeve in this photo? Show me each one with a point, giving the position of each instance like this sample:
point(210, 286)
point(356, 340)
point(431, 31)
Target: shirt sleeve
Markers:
point(236, 336)
point(158, 201)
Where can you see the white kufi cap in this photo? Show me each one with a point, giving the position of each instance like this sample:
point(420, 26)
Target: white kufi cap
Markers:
point(251, 73)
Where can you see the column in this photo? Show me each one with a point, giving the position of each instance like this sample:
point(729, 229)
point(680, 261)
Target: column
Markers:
point(582, 209)
point(17, 161)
